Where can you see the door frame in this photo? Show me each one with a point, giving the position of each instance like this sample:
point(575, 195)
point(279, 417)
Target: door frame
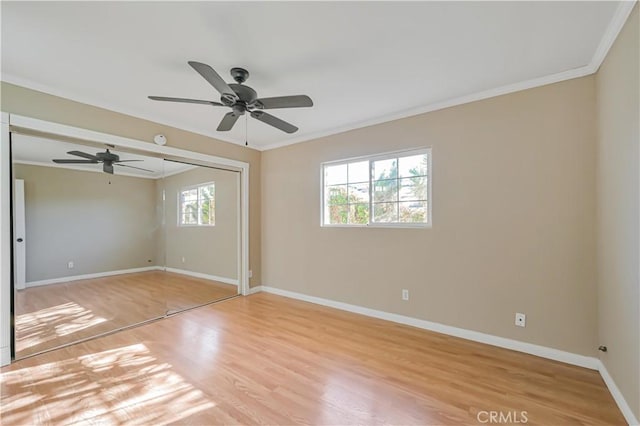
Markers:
point(18, 123)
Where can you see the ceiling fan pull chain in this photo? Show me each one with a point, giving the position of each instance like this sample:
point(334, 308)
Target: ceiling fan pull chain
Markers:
point(246, 130)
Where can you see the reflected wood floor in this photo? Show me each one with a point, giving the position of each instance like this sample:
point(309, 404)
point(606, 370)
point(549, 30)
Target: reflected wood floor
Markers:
point(52, 315)
point(266, 359)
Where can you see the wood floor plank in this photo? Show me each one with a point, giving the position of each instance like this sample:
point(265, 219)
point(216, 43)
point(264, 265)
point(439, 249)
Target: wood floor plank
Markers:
point(58, 314)
point(265, 359)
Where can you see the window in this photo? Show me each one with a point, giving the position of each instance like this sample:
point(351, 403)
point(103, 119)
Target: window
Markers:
point(386, 190)
point(197, 205)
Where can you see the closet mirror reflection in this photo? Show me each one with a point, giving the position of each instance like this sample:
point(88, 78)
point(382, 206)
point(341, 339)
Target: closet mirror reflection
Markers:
point(106, 238)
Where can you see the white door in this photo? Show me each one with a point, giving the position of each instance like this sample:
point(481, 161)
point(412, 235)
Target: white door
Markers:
point(19, 235)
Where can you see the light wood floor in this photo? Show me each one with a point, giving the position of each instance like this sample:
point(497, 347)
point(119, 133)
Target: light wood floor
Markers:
point(265, 359)
point(57, 314)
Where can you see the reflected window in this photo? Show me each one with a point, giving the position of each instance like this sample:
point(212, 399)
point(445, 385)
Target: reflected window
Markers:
point(197, 205)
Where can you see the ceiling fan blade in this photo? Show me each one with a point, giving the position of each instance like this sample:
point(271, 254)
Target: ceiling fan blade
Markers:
point(227, 122)
point(84, 155)
point(133, 167)
point(126, 161)
point(274, 121)
point(189, 101)
point(298, 101)
point(214, 79)
point(107, 168)
point(62, 161)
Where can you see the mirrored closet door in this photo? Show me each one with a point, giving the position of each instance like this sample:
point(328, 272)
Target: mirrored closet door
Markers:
point(108, 238)
point(202, 234)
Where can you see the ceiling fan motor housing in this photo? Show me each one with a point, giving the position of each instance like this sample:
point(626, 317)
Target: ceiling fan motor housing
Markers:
point(246, 96)
point(107, 156)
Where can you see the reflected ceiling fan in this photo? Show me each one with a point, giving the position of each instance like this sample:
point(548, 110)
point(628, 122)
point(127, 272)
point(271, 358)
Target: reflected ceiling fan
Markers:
point(107, 158)
point(242, 99)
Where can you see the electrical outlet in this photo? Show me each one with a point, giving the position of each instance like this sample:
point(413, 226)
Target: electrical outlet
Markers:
point(70, 265)
point(521, 319)
point(250, 273)
point(405, 294)
point(184, 259)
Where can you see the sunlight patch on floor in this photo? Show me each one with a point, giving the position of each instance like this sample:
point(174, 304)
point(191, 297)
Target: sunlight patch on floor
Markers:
point(130, 385)
point(34, 328)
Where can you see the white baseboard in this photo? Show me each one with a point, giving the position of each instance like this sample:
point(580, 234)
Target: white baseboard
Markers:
point(203, 276)
point(529, 348)
point(5, 356)
point(256, 289)
point(617, 395)
point(90, 276)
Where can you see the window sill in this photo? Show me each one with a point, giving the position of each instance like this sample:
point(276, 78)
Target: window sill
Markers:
point(383, 225)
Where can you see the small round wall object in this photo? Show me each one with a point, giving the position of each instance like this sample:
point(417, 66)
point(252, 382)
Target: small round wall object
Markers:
point(160, 139)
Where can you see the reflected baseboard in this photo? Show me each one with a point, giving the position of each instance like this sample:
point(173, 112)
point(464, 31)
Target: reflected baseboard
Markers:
point(256, 289)
point(5, 356)
point(203, 276)
point(224, 280)
point(91, 276)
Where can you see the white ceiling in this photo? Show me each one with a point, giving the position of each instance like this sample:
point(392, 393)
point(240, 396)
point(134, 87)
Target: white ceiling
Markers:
point(361, 62)
point(28, 149)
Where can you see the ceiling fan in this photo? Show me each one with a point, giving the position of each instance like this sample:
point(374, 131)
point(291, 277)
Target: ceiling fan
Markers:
point(242, 99)
point(107, 158)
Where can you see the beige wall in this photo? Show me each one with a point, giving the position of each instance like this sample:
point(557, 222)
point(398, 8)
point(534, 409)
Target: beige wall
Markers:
point(513, 220)
point(100, 222)
point(618, 188)
point(31, 103)
point(211, 250)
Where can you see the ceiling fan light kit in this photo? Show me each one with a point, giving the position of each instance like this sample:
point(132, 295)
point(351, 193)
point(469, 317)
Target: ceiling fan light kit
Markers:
point(242, 99)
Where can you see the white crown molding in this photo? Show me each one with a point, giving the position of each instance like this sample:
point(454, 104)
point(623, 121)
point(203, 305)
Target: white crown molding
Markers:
point(617, 395)
point(476, 336)
point(76, 169)
point(491, 93)
point(29, 84)
point(611, 33)
point(154, 176)
point(620, 16)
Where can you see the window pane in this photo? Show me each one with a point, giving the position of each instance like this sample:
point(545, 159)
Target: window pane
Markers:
point(206, 192)
point(206, 204)
point(415, 165)
point(336, 194)
point(189, 195)
point(413, 212)
point(414, 188)
point(385, 212)
point(359, 172)
point(359, 214)
point(207, 212)
point(359, 193)
point(338, 214)
point(385, 169)
point(385, 190)
point(190, 213)
point(334, 175)
point(189, 207)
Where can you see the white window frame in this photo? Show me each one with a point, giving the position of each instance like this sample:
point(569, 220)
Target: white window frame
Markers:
point(187, 188)
point(371, 159)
